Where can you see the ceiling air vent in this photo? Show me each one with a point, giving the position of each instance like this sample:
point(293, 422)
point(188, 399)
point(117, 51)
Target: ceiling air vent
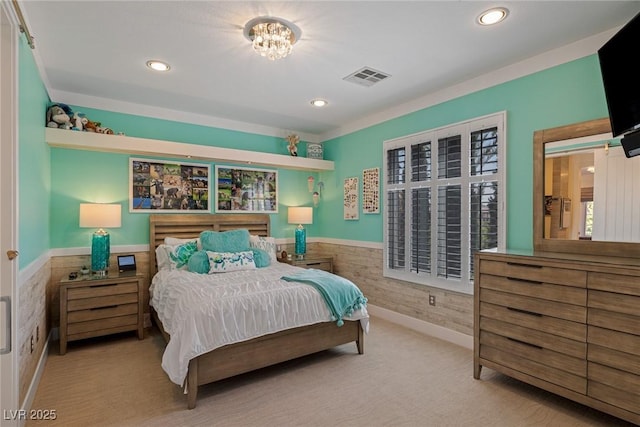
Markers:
point(366, 76)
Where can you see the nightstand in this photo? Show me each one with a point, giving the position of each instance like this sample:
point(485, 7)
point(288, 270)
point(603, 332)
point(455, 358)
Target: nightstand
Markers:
point(92, 306)
point(317, 262)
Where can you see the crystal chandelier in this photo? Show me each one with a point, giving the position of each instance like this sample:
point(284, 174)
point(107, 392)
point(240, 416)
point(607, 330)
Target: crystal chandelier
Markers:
point(271, 37)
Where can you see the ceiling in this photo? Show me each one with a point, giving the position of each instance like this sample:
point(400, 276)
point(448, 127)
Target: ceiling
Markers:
point(93, 54)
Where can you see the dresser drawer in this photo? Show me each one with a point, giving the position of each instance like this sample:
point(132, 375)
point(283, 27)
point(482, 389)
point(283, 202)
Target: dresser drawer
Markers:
point(535, 306)
point(615, 340)
point(615, 387)
point(102, 290)
point(129, 321)
point(319, 265)
point(546, 291)
point(564, 328)
point(560, 377)
point(102, 313)
point(534, 272)
point(618, 283)
point(534, 338)
point(614, 302)
point(88, 303)
point(542, 356)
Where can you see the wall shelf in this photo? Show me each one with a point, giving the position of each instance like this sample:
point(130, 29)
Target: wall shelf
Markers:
point(153, 147)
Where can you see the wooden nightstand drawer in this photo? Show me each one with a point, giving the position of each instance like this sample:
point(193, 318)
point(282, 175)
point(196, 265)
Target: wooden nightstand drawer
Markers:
point(102, 313)
point(319, 263)
point(88, 303)
point(97, 325)
point(92, 306)
point(102, 290)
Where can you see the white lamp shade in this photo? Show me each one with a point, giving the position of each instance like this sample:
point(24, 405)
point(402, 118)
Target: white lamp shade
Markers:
point(300, 215)
point(100, 215)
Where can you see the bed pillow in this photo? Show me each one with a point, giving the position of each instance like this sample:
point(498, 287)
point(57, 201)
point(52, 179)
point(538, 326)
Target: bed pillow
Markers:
point(225, 241)
point(175, 241)
point(261, 257)
point(199, 262)
point(162, 258)
point(175, 257)
point(221, 262)
point(267, 244)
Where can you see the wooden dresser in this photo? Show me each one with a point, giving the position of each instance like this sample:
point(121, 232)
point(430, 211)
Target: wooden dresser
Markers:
point(91, 307)
point(569, 324)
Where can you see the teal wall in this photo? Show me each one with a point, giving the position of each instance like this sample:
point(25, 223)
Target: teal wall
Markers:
point(79, 176)
point(53, 182)
point(34, 173)
point(565, 94)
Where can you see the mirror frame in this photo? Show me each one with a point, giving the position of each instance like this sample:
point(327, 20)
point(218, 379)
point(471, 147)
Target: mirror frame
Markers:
point(585, 247)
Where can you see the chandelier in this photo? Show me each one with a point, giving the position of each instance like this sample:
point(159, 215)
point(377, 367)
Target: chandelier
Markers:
point(271, 37)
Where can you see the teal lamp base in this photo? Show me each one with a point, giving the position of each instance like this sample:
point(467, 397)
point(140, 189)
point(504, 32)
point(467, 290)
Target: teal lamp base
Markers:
point(301, 242)
point(100, 252)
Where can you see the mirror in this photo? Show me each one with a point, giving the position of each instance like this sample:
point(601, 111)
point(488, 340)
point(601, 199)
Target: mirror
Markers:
point(565, 181)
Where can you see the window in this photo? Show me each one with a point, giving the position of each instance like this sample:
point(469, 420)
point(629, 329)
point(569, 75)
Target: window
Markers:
point(444, 200)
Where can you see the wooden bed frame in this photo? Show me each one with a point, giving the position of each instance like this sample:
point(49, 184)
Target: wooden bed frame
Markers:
point(234, 359)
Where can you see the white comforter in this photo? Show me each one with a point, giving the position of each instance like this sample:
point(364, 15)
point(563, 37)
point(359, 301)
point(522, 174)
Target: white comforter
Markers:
point(202, 312)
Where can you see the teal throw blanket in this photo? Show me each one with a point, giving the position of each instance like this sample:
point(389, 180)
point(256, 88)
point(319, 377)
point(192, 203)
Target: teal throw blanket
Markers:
point(341, 295)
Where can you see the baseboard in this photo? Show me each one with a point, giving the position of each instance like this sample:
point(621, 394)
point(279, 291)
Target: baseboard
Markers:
point(423, 327)
point(35, 381)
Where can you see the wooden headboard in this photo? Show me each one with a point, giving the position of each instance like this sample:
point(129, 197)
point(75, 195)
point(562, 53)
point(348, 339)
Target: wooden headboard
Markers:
point(185, 226)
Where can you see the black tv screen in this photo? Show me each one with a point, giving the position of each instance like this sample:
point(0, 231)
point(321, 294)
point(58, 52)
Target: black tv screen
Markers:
point(621, 77)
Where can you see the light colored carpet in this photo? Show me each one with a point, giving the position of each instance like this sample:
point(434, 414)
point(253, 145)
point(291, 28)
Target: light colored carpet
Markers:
point(403, 379)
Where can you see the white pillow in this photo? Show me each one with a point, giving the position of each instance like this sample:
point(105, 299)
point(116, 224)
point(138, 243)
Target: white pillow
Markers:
point(221, 262)
point(175, 241)
point(162, 258)
point(267, 244)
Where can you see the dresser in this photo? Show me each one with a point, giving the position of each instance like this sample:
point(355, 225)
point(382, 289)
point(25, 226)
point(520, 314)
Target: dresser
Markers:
point(92, 306)
point(569, 324)
point(317, 262)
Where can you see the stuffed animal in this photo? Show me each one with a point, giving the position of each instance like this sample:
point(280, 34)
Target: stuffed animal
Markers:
point(57, 117)
point(77, 121)
point(293, 141)
point(108, 131)
point(90, 126)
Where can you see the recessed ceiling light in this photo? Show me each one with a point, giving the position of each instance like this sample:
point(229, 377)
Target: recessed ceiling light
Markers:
point(158, 65)
point(319, 102)
point(493, 16)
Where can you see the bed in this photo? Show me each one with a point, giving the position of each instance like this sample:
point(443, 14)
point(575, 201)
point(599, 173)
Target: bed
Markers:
point(234, 358)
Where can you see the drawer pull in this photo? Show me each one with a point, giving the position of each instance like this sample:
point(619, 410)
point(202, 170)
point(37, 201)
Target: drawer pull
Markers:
point(314, 263)
point(519, 310)
point(517, 264)
point(103, 286)
point(104, 308)
point(525, 343)
point(530, 282)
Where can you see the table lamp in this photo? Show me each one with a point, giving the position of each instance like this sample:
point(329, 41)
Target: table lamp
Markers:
point(300, 215)
point(100, 215)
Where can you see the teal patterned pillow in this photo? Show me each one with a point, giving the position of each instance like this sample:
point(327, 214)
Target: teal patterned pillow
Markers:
point(179, 255)
point(221, 262)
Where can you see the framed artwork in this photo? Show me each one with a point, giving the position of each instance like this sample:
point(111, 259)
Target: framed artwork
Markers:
point(167, 186)
point(371, 191)
point(243, 190)
point(351, 198)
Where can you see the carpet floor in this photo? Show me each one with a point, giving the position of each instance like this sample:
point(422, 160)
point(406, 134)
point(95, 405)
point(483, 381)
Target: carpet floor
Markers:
point(404, 379)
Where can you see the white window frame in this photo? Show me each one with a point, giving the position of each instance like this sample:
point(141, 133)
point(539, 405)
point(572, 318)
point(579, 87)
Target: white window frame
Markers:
point(465, 128)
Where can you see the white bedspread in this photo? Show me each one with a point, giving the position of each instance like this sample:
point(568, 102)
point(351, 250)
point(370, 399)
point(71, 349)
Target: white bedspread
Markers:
point(202, 312)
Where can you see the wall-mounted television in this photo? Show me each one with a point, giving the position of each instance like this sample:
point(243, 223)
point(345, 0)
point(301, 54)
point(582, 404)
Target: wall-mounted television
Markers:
point(621, 78)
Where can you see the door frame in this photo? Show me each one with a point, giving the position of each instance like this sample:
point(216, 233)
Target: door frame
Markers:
point(9, 367)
